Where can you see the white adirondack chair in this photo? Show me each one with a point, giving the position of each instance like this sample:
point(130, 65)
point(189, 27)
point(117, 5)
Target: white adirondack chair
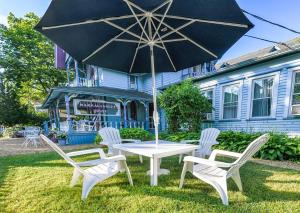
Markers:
point(207, 140)
point(31, 135)
point(111, 136)
point(99, 169)
point(211, 172)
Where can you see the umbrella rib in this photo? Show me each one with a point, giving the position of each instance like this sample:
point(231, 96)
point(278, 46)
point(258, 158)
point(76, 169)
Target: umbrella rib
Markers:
point(108, 42)
point(178, 28)
point(165, 13)
point(124, 29)
point(129, 41)
point(135, 6)
point(172, 40)
point(186, 37)
point(204, 21)
point(164, 46)
point(137, 49)
point(160, 6)
point(90, 22)
point(130, 7)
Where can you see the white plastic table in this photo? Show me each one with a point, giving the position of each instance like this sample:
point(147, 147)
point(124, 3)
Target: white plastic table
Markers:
point(155, 153)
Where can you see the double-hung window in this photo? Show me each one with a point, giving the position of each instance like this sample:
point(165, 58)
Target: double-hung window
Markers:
point(231, 101)
point(262, 97)
point(209, 94)
point(296, 95)
point(133, 82)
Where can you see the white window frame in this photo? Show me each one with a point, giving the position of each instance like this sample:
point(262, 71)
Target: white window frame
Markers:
point(136, 82)
point(292, 89)
point(240, 83)
point(213, 89)
point(275, 76)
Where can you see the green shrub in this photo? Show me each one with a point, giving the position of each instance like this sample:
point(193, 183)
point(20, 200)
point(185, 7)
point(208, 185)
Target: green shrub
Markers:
point(178, 136)
point(98, 139)
point(136, 133)
point(10, 131)
point(279, 146)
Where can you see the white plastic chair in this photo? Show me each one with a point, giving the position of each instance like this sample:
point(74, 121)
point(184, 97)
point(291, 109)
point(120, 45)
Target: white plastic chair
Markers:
point(211, 172)
point(111, 136)
point(31, 135)
point(99, 169)
point(207, 140)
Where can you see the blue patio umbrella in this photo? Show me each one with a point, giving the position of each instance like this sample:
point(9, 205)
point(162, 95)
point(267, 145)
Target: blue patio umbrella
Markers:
point(144, 36)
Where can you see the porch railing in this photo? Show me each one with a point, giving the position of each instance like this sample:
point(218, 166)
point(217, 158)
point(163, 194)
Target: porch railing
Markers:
point(86, 125)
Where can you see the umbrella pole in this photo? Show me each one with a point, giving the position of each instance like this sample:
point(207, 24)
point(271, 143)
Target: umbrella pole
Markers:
point(155, 113)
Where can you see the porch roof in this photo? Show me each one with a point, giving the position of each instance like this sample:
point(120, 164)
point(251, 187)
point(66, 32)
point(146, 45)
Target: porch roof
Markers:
point(58, 92)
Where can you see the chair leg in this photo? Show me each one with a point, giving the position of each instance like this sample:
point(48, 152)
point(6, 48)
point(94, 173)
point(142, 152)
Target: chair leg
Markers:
point(237, 179)
point(221, 187)
point(88, 184)
point(141, 158)
point(183, 174)
point(180, 158)
point(75, 177)
point(128, 172)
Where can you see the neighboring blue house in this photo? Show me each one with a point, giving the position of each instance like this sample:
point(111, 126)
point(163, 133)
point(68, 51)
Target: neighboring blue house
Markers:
point(259, 91)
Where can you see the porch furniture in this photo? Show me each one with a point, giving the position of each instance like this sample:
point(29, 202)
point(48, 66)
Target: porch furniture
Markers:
point(207, 140)
point(31, 135)
point(99, 169)
point(211, 172)
point(111, 136)
point(156, 153)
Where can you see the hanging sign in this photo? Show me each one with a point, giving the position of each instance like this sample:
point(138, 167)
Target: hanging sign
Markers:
point(96, 107)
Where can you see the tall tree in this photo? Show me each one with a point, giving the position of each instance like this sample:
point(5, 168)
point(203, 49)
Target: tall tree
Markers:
point(28, 59)
point(27, 62)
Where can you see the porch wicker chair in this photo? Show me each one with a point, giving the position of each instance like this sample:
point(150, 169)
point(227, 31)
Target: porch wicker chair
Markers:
point(211, 172)
point(111, 136)
point(207, 139)
point(99, 169)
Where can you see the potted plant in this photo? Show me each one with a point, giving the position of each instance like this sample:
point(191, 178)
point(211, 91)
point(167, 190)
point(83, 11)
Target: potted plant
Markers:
point(62, 138)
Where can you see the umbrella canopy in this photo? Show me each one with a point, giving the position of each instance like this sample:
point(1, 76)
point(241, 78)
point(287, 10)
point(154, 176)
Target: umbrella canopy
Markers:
point(128, 35)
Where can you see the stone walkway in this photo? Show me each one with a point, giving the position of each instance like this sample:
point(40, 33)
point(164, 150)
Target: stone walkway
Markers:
point(13, 146)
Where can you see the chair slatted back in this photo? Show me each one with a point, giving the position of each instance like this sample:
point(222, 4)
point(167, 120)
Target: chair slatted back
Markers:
point(252, 148)
point(60, 152)
point(208, 138)
point(111, 136)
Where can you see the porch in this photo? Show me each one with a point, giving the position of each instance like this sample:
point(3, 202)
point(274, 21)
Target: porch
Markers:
point(82, 111)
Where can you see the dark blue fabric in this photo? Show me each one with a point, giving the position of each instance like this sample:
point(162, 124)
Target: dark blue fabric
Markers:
point(81, 41)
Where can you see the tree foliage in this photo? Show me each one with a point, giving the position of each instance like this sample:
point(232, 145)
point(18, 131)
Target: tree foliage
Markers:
point(184, 106)
point(27, 58)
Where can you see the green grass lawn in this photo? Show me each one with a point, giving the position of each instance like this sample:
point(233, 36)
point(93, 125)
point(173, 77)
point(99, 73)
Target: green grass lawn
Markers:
point(40, 183)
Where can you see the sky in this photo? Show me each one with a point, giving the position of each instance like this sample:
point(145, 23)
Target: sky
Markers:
point(285, 12)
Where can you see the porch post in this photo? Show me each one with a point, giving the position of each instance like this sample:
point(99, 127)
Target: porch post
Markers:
point(67, 100)
point(68, 73)
point(146, 106)
point(125, 113)
point(57, 114)
point(76, 73)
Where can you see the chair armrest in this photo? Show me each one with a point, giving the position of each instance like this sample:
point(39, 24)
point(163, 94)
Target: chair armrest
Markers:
point(206, 162)
point(88, 151)
point(225, 153)
point(188, 141)
point(115, 158)
point(131, 140)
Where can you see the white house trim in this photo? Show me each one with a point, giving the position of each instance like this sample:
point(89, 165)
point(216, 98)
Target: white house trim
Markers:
point(213, 89)
point(290, 90)
point(240, 83)
point(275, 76)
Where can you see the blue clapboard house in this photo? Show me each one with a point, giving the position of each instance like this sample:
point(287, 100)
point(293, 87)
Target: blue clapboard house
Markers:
point(259, 91)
